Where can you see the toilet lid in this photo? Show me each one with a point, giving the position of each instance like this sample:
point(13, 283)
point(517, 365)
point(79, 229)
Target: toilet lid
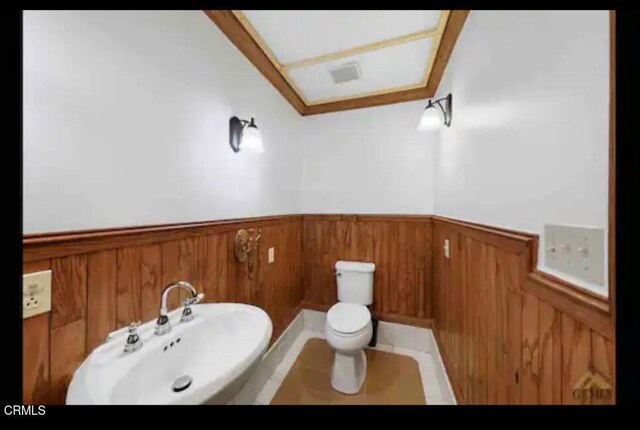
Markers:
point(348, 317)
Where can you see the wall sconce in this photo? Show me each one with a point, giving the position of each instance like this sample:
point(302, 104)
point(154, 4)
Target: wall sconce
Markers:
point(435, 112)
point(247, 243)
point(246, 134)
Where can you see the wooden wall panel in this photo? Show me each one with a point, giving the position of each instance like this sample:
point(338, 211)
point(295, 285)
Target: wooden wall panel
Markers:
point(514, 348)
point(128, 304)
point(69, 290)
point(150, 281)
point(603, 362)
point(120, 277)
point(470, 289)
point(277, 287)
point(101, 298)
point(576, 358)
point(530, 349)
point(400, 246)
point(524, 338)
point(212, 260)
point(35, 358)
point(493, 333)
point(68, 349)
point(550, 389)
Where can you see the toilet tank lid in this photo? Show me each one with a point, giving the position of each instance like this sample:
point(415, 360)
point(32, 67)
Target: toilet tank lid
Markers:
point(355, 266)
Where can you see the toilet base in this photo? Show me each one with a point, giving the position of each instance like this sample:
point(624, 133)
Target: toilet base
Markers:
point(349, 371)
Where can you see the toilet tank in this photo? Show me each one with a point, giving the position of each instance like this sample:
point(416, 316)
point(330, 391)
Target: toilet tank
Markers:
point(355, 282)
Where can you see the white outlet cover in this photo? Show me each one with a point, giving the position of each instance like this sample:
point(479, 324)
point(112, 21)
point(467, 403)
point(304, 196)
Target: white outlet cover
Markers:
point(589, 267)
point(272, 255)
point(36, 287)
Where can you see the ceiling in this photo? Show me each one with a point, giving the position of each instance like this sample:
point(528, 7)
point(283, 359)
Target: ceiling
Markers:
point(325, 61)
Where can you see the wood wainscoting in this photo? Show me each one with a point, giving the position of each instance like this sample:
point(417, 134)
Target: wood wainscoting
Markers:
point(400, 247)
point(509, 334)
point(105, 279)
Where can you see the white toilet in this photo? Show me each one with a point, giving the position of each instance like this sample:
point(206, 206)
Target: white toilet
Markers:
point(348, 328)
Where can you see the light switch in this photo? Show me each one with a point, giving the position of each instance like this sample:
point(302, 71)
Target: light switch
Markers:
point(577, 251)
point(446, 248)
point(272, 255)
point(36, 293)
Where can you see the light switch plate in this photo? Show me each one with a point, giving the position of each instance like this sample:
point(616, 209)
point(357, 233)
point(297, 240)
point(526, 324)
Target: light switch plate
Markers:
point(272, 255)
point(577, 251)
point(36, 293)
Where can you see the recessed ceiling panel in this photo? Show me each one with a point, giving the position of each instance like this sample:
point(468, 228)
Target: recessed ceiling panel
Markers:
point(294, 35)
point(327, 61)
point(383, 69)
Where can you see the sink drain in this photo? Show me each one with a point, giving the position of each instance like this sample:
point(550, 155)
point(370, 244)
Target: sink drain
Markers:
point(182, 383)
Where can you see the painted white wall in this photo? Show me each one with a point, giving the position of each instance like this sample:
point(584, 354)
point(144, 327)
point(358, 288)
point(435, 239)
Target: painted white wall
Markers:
point(529, 139)
point(123, 127)
point(367, 161)
point(126, 123)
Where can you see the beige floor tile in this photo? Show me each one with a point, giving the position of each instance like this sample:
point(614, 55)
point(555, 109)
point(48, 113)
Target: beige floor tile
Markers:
point(391, 379)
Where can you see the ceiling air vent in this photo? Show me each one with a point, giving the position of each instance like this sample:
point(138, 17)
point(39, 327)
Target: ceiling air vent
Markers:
point(345, 72)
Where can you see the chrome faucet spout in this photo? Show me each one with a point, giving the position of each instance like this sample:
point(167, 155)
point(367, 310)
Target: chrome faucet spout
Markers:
point(162, 323)
point(165, 293)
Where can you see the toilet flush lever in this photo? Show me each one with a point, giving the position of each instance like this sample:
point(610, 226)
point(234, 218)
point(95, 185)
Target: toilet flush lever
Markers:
point(338, 274)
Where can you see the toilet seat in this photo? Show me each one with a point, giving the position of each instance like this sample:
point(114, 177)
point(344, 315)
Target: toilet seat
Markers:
point(348, 319)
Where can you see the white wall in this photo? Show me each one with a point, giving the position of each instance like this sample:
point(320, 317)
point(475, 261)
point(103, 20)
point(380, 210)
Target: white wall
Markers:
point(126, 123)
point(529, 139)
point(368, 161)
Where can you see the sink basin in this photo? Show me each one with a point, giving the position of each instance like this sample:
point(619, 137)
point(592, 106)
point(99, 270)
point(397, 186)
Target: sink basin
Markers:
point(213, 356)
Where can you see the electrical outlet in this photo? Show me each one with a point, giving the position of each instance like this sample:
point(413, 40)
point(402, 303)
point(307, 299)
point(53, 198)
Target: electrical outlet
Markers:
point(446, 248)
point(272, 255)
point(36, 293)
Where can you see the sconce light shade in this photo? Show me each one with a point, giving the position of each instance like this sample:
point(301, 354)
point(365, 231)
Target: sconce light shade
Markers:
point(252, 138)
point(436, 113)
point(431, 119)
point(244, 135)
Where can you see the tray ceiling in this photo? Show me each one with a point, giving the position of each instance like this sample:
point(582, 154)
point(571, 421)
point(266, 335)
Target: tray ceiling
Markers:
point(383, 56)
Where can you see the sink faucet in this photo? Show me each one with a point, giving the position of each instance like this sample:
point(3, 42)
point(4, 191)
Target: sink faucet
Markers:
point(162, 323)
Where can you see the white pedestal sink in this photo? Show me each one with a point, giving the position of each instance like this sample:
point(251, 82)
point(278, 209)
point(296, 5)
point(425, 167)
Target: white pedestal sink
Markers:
point(216, 353)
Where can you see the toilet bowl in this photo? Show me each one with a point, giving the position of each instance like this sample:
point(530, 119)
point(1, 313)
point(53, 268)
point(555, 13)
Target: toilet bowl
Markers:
point(348, 330)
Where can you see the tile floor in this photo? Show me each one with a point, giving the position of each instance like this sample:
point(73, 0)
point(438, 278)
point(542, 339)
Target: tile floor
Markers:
point(429, 376)
point(392, 379)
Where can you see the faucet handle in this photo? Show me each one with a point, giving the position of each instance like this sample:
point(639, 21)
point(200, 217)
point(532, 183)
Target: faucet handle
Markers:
point(193, 300)
point(133, 342)
point(187, 313)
